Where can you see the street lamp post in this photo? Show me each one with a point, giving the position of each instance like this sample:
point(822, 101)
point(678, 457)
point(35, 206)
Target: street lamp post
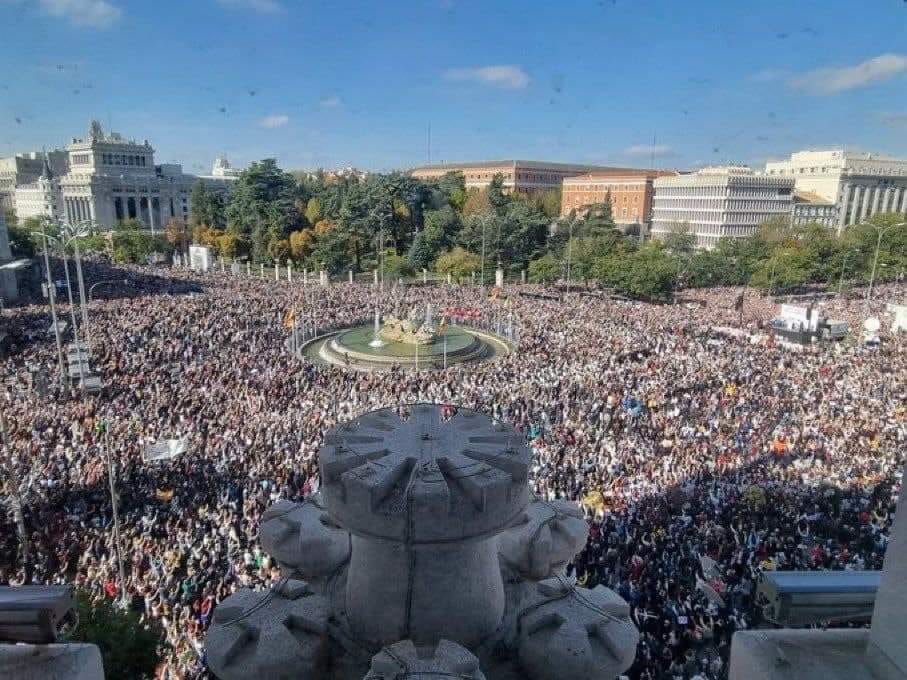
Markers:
point(843, 265)
point(569, 253)
point(111, 476)
point(101, 283)
point(881, 232)
point(53, 310)
point(482, 281)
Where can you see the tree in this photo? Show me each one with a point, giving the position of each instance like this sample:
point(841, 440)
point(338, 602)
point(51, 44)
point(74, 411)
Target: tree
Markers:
point(330, 251)
point(441, 226)
point(789, 265)
point(521, 234)
point(451, 189)
point(313, 210)
point(476, 203)
point(177, 233)
point(496, 197)
point(459, 263)
point(301, 243)
point(21, 243)
point(136, 245)
point(129, 648)
point(396, 266)
point(279, 250)
point(207, 207)
point(679, 240)
point(129, 224)
point(230, 245)
point(598, 219)
point(544, 269)
point(264, 204)
point(648, 273)
point(892, 247)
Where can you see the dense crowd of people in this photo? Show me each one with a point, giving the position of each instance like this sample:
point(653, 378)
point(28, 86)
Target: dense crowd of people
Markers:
point(702, 458)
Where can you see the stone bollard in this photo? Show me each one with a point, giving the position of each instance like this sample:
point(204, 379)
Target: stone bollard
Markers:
point(473, 278)
point(448, 278)
point(222, 267)
point(323, 277)
point(523, 276)
point(499, 277)
point(262, 265)
point(289, 271)
point(350, 272)
point(376, 277)
point(305, 277)
point(424, 275)
point(248, 268)
point(277, 271)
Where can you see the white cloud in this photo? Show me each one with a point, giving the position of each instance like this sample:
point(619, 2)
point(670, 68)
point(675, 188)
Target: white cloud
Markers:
point(274, 121)
point(91, 13)
point(648, 150)
point(768, 75)
point(260, 6)
point(507, 77)
point(332, 102)
point(833, 80)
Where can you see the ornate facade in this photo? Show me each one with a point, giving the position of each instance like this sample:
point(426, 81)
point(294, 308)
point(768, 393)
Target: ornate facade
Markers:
point(860, 184)
point(109, 179)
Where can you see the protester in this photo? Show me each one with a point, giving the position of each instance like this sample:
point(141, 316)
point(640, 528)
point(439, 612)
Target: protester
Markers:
point(702, 459)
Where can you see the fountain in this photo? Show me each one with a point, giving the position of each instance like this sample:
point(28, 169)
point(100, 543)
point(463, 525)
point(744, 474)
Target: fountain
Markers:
point(376, 340)
point(422, 339)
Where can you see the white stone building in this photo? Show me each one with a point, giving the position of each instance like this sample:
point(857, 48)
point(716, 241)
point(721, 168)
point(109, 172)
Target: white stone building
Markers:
point(861, 184)
point(222, 169)
point(25, 168)
point(727, 201)
point(809, 207)
point(41, 198)
point(109, 179)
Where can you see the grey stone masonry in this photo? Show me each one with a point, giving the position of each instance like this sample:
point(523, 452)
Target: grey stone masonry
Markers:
point(424, 555)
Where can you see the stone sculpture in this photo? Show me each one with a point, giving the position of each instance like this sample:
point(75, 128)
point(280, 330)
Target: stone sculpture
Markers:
point(413, 330)
point(424, 556)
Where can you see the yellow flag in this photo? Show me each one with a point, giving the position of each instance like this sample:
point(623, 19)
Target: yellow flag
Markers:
point(290, 319)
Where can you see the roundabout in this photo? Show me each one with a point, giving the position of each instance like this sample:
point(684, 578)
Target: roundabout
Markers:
point(411, 344)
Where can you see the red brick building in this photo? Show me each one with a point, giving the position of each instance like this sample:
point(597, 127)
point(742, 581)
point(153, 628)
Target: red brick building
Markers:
point(519, 176)
point(629, 191)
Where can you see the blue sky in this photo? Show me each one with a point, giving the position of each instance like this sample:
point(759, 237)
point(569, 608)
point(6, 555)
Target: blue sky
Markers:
point(687, 82)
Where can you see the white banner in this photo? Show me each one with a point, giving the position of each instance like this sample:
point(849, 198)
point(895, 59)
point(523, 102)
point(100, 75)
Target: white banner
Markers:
point(165, 449)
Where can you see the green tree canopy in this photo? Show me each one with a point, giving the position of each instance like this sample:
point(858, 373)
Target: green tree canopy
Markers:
point(130, 649)
point(545, 269)
point(459, 263)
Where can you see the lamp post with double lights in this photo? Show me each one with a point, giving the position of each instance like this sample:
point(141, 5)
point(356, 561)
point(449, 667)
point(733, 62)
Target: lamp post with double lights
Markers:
point(69, 235)
point(881, 231)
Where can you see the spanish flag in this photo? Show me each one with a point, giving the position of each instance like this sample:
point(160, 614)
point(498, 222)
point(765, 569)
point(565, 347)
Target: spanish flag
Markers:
point(290, 319)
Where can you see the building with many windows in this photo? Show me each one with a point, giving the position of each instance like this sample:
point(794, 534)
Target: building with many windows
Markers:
point(809, 207)
point(26, 168)
point(107, 179)
point(629, 193)
point(727, 201)
point(41, 198)
point(521, 176)
point(860, 184)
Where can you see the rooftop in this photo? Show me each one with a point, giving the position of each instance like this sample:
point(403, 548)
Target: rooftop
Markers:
point(522, 164)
